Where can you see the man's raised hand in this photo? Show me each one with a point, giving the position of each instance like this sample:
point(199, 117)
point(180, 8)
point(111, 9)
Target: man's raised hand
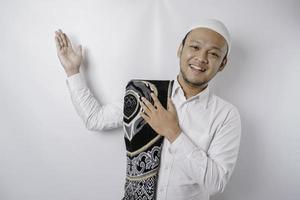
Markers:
point(69, 58)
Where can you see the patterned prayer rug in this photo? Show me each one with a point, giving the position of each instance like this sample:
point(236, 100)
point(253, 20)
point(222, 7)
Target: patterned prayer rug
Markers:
point(143, 144)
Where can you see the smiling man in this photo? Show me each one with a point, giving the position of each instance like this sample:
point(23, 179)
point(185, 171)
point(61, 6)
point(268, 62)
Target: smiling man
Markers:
point(201, 131)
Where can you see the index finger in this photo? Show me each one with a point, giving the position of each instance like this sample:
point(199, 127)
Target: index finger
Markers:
point(156, 100)
point(63, 37)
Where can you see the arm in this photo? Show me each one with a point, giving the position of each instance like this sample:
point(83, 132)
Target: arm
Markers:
point(211, 169)
point(96, 117)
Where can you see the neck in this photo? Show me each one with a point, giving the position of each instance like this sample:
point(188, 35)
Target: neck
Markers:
point(189, 89)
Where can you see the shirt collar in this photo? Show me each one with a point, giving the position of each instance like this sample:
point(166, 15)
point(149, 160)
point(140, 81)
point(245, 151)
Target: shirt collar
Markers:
point(202, 97)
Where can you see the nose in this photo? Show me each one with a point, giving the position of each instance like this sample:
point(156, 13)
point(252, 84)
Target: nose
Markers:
point(201, 57)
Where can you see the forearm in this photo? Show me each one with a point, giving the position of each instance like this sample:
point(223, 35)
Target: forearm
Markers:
point(95, 116)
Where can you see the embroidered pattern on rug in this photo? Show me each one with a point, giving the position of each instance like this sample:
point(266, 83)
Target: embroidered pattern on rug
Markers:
point(143, 144)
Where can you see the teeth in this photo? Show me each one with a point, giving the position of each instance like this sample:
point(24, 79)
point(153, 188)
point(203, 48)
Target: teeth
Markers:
point(198, 68)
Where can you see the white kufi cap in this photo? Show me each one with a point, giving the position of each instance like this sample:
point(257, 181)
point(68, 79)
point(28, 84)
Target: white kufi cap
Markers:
point(214, 25)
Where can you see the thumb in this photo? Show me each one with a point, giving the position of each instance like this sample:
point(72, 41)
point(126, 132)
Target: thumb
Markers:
point(171, 106)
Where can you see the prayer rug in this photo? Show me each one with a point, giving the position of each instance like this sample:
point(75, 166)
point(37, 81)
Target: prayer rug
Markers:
point(143, 144)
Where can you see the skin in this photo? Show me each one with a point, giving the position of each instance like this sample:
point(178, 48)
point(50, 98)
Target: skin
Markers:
point(69, 57)
point(203, 48)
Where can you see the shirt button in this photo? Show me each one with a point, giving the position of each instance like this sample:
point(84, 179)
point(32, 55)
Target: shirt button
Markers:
point(170, 150)
point(166, 167)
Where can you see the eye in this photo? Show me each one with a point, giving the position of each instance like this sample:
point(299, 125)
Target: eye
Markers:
point(195, 47)
point(214, 54)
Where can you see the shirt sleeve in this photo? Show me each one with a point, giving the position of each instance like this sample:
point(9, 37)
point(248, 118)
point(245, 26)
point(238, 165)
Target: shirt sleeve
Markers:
point(211, 169)
point(95, 116)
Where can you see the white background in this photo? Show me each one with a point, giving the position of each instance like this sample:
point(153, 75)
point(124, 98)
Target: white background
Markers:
point(46, 152)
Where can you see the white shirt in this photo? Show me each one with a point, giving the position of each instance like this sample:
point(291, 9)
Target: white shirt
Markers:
point(200, 161)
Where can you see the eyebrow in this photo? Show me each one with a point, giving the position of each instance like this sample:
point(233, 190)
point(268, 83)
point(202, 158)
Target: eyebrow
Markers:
point(215, 47)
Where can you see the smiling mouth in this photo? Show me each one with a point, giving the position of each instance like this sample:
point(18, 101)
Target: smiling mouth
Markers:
point(194, 67)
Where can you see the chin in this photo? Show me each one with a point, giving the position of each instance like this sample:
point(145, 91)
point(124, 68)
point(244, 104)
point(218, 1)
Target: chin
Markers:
point(196, 83)
point(193, 80)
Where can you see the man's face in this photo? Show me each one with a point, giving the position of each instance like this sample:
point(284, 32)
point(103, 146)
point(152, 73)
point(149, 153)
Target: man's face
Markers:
point(202, 56)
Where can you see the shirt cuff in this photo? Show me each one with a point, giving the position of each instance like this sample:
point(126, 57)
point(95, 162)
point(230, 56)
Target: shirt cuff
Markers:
point(75, 82)
point(182, 147)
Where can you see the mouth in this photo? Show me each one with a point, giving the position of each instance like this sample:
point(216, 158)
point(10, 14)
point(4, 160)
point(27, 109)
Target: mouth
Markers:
point(197, 68)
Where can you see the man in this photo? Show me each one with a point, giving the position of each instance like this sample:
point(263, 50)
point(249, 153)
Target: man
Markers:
point(201, 131)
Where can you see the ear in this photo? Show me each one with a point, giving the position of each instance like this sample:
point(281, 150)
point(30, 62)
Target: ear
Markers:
point(179, 50)
point(224, 62)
